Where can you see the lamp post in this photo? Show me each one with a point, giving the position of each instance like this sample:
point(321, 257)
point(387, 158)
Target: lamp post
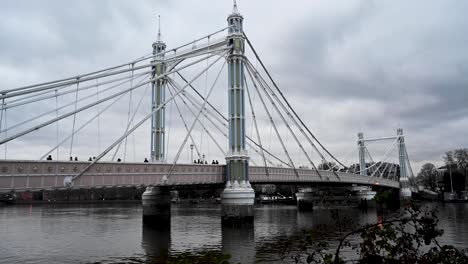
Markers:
point(203, 158)
point(191, 152)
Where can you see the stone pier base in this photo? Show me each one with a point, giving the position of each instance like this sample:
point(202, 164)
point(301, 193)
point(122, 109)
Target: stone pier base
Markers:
point(405, 193)
point(157, 207)
point(237, 203)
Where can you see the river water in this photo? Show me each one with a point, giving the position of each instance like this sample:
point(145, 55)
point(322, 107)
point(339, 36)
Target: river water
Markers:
point(113, 233)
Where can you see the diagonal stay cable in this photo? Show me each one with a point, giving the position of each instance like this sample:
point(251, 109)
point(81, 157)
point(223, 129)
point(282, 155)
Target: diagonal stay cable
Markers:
point(141, 121)
point(250, 140)
point(256, 126)
point(176, 158)
point(282, 117)
point(272, 123)
point(131, 120)
point(185, 123)
point(84, 125)
point(201, 124)
point(223, 122)
point(6, 139)
point(69, 104)
point(265, 84)
point(287, 102)
point(109, 69)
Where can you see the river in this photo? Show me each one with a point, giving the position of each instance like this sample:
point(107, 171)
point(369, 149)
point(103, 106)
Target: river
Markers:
point(113, 233)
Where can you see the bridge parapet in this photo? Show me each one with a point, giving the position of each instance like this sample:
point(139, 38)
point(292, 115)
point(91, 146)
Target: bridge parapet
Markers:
point(287, 175)
point(47, 175)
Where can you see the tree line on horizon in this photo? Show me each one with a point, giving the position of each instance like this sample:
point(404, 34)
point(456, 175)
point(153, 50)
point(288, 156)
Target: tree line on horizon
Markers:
point(454, 173)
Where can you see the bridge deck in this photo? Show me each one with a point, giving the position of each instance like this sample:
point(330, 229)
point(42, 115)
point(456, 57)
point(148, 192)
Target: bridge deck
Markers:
point(47, 175)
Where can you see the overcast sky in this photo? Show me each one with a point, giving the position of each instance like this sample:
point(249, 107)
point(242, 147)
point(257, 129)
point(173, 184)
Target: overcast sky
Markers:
point(346, 66)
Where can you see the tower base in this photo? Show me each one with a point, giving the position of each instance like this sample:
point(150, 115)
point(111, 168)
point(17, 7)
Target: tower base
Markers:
point(156, 203)
point(237, 203)
point(405, 193)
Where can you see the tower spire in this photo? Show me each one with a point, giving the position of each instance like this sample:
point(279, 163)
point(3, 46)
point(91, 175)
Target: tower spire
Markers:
point(234, 8)
point(159, 28)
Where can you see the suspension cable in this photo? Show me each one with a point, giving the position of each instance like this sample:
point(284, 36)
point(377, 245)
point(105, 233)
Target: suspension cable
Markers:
point(219, 114)
point(128, 115)
point(287, 102)
point(283, 119)
point(131, 120)
point(60, 82)
point(185, 125)
point(193, 113)
point(206, 113)
point(98, 117)
point(74, 119)
point(194, 122)
point(63, 106)
point(57, 125)
point(273, 123)
point(141, 121)
point(256, 127)
point(93, 104)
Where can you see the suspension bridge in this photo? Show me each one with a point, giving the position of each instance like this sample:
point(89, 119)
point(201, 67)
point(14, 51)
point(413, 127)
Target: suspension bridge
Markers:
point(260, 140)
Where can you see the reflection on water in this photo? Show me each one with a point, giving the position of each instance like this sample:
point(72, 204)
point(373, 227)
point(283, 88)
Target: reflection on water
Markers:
point(115, 234)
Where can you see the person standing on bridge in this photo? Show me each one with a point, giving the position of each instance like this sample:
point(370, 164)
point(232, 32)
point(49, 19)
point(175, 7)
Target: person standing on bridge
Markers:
point(49, 157)
point(146, 160)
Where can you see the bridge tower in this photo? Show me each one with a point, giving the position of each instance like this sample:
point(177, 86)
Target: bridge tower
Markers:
point(156, 201)
point(405, 191)
point(362, 156)
point(158, 95)
point(238, 196)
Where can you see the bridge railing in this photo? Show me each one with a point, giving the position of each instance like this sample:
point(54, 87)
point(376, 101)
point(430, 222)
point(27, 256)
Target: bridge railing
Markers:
point(285, 175)
point(47, 175)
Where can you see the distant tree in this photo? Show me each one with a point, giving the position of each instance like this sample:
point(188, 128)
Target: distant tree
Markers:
point(428, 176)
point(328, 165)
point(461, 158)
point(449, 158)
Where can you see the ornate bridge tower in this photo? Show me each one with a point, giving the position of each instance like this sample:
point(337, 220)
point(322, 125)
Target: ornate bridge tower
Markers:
point(362, 156)
point(238, 196)
point(156, 201)
point(405, 190)
point(158, 95)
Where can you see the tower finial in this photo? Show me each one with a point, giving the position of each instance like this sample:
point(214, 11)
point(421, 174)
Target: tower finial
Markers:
point(159, 28)
point(234, 8)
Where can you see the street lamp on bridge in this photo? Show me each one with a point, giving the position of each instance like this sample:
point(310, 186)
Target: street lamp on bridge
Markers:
point(191, 152)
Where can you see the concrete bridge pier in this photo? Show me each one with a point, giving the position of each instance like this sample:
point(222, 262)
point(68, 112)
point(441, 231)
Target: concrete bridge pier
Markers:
point(156, 203)
point(237, 203)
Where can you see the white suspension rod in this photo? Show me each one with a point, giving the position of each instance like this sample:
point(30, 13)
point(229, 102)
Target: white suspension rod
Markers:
point(185, 124)
point(273, 123)
point(283, 119)
point(201, 124)
point(194, 123)
point(287, 102)
point(223, 122)
point(131, 120)
point(82, 88)
point(139, 123)
point(93, 104)
point(64, 106)
point(82, 126)
point(256, 127)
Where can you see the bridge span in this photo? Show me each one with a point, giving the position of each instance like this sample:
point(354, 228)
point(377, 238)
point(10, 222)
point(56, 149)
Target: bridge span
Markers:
point(23, 175)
